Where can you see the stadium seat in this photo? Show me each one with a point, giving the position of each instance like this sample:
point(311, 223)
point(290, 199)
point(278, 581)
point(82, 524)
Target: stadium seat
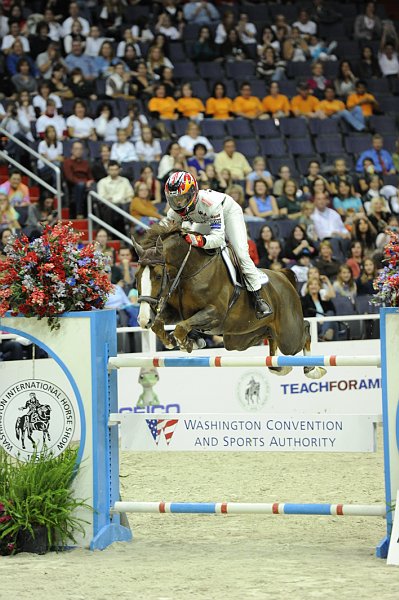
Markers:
point(300, 146)
point(240, 70)
point(249, 148)
point(302, 162)
point(275, 164)
point(258, 88)
point(200, 89)
point(177, 52)
point(389, 105)
point(383, 124)
point(378, 86)
point(185, 71)
point(294, 127)
point(332, 31)
point(266, 128)
point(273, 147)
point(288, 88)
point(324, 126)
point(180, 126)
point(213, 128)
point(211, 70)
point(302, 70)
point(329, 144)
point(356, 144)
point(239, 128)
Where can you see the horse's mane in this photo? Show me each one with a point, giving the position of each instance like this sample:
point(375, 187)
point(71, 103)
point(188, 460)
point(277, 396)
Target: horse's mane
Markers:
point(157, 230)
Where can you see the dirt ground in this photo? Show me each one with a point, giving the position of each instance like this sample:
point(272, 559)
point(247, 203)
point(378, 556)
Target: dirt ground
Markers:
point(182, 557)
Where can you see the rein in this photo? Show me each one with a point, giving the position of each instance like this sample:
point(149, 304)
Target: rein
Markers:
point(175, 283)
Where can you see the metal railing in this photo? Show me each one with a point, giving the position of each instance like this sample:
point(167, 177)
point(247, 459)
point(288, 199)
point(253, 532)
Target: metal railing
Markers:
point(94, 219)
point(57, 191)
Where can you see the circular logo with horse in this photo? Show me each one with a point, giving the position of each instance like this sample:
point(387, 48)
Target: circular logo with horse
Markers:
point(253, 391)
point(35, 414)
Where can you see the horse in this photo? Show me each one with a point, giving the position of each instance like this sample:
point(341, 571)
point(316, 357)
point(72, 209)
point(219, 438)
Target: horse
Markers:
point(38, 421)
point(202, 298)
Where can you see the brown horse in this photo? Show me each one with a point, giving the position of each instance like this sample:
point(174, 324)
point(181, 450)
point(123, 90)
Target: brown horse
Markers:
point(205, 300)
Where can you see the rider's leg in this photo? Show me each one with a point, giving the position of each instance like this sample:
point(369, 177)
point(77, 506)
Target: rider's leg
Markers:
point(236, 233)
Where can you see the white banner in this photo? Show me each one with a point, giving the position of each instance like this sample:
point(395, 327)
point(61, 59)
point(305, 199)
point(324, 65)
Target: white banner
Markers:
point(241, 432)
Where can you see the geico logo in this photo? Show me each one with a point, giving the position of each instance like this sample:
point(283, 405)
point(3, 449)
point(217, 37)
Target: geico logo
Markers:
point(160, 408)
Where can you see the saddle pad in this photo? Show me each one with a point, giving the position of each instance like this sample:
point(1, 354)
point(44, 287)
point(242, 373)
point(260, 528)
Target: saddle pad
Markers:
point(230, 267)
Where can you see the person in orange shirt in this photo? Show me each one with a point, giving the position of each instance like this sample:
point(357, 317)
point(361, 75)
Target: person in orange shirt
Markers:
point(187, 105)
point(218, 105)
point(306, 105)
point(141, 206)
point(276, 104)
point(362, 98)
point(161, 105)
point(332, 107)
point(245, 105)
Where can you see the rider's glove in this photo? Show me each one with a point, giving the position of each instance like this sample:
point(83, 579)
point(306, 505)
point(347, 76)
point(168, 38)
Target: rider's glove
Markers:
point(195, 239)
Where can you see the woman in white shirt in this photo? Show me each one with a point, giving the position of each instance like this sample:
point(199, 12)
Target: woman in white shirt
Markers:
point(26, 115)
point(147, 148)
point(79, 126)
point(142, 32)
point(40, 99)
point(106, 125)
point(51, 149)
point(122, 150)
point(134, 122)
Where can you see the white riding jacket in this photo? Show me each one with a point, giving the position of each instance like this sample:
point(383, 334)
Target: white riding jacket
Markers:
point(217, 216)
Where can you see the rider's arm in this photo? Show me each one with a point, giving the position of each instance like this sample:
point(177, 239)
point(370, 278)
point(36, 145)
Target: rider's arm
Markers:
point(172, 217)
point(217, 236)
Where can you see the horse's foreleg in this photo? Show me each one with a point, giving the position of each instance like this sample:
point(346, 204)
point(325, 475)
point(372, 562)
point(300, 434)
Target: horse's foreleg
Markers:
point(165, 337)
point(206, 319)
point(311, 372)
point(277, 370)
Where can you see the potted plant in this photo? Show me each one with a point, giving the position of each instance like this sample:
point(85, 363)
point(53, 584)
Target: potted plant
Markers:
point(37, 504)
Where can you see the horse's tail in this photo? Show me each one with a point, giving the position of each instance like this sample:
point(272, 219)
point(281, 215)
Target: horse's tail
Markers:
point(17, 427)
point(290, 275)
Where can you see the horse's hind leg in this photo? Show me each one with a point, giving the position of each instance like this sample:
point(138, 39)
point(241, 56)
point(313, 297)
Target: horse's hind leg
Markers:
point(277, 370)
point(311, 372)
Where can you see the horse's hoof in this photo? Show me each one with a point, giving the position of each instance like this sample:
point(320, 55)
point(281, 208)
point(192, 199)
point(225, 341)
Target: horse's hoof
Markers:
point(314, 372)
point(281, 371)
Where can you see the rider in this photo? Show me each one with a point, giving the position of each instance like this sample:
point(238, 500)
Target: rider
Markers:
point(220, 217)
point(32, 404)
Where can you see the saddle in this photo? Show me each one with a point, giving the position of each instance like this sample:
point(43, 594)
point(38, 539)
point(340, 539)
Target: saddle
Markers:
point(233, 267)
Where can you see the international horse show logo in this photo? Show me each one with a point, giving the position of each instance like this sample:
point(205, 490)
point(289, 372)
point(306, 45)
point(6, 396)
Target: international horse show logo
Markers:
point(253, 391)
point(34, 414)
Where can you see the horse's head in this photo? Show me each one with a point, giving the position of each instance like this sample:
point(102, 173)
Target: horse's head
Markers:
point(151, 279)
point(44, 411)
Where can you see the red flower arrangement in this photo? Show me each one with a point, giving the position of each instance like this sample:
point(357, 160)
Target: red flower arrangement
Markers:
point(387, 282)
point(52, 275)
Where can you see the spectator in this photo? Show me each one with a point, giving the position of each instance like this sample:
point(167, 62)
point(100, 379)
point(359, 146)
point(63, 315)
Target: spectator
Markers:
point(276, 105)
point(295, 48)
point(374, 183)
point(133, 122)
point(368, 26)
point(143, 83)
point(148, 149)
point(364, 283)
point(266, 235)
point(320, 186)
point(332, 107)
point(106, 124)
point(324, 13)
point(378, 214)
point(232, 48)
point(128, 50)
point(382, 160)
point(168, 81)
point(167, 163)
point(16, 191)
point(141, 31)
point(141, 207)
point(204, 49)
point(281, 27)
point(326, 289)
point(118, 191)
point(301, 267)
point(318, 83)
point(199, 160)
point(51, 149)
point(272, 257)
point(297, 242)
point(118, 84)
point(345, 83)
point(73, 16)
point(8, 215)
point(384, 237)
point(79, 125)
point(55, 29)
point(164, 25)
point(232, 160)
point(270, 67)
point(356, 255)
point(246, 105)
point(365, 233)
point(305, 219)
point(59, 82)
point(269, 40)
point(14, 57)
point(368, 67)
point(218, 105)
point(14, 35)
point(246, 30)
point(23, 80)
point(327, 222)
point(311, 176)
point(313, 305)
point(225, 27)
point(340, 173)
point(78, 60)
point(162, 106)
point(237, 193)
point(126, 266)
point(200, 13)
point(319, 51)
point(40, 214)
point(262, 204)
point(50, 117)
point(105, 62)
point(111, 17)
point(156, 60)
point(388, 60)
point(94, 41)
point(284, 174)
point(48, 60)
point(259, 173)
point(192, 138)
point(78, 175)
point(147, 176)
point(101, 240)
point(40, 41)
point(345, 202)
point(288, 203)
point(123, 151)
point(362, 98)
point(326, 264)
point(100, 166)
point(40, 99)
point(305, 25)
point(76, 34)
point(305, 104)
point(188, 106)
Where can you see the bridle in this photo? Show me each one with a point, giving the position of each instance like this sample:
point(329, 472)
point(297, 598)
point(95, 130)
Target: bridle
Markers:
point(151, 262)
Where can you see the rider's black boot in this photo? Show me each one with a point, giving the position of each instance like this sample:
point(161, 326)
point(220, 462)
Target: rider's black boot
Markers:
point(262, 309)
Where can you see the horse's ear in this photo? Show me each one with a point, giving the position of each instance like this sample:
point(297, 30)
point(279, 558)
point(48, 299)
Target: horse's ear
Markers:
point(159, 246)
point(138, 248)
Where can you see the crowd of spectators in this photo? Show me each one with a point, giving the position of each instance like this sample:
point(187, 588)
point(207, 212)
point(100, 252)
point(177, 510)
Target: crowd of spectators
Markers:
point(257, 100)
